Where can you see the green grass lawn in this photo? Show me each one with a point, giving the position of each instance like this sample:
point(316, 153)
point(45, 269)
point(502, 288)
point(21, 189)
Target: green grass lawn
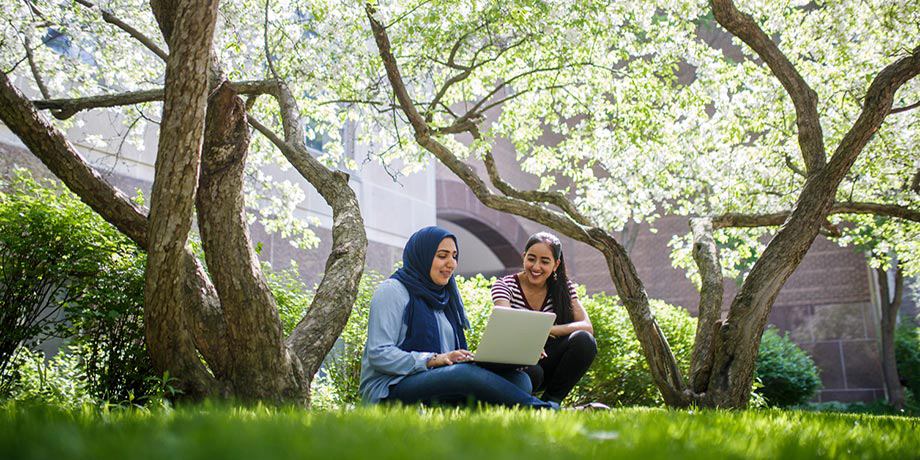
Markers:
point(213, 432)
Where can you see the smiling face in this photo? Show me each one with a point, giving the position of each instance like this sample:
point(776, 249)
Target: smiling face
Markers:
point(539, 263)
point(444, 263)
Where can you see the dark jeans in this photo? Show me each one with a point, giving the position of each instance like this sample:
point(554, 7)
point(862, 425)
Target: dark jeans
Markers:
point(465, 383)
point(567, 359)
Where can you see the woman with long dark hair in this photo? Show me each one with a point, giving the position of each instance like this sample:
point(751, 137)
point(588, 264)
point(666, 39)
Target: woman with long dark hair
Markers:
point(416, 348)
point(543, 286)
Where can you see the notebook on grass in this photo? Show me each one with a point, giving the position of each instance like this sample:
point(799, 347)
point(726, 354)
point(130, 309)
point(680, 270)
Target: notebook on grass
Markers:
point(513, 337)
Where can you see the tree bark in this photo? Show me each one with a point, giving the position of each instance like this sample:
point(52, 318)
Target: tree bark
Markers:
point(889, 307)
point(706, 255)
point(263, 368)
point(169, 341)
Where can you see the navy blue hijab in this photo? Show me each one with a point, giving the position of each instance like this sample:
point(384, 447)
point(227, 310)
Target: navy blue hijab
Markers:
point(425, 296)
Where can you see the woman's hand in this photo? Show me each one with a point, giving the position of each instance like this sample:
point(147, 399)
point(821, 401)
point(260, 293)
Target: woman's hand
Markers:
point(451, 357)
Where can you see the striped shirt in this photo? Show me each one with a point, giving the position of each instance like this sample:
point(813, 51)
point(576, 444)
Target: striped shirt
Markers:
point(509, 288)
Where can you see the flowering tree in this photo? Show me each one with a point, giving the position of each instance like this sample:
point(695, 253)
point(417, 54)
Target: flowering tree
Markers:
point(219, 334)
point(799, 124)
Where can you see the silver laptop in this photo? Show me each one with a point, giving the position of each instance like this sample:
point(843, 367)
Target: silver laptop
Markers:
point(514, 336)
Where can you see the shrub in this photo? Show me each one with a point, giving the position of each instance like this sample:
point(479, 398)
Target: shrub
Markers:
point(788, 374)
point(336, 384)
point(59, 381)
point(46, 257)
point(58, 259)
point(106, 330)
point(620, 374)
point(907, 355)
point(292, 296)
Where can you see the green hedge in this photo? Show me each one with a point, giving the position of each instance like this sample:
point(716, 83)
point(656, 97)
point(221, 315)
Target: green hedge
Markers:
point(66, 272)
point(788, 374)
point(620, 374)
point(907, 355)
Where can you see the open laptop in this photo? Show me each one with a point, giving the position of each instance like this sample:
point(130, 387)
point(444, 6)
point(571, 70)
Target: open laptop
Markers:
point(514, 337)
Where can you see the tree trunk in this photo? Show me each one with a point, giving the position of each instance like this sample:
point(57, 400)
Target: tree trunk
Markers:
point(705, 254)
point(662, 364)
point(317, 332)
point(169, 342)
point(889, 309)
point(738, 339)
point(263, 367)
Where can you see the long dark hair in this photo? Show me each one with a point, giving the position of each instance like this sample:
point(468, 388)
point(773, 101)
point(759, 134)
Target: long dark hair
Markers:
point(557, 285)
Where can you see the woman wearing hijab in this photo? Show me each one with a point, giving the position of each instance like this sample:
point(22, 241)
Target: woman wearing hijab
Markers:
point(416, 348)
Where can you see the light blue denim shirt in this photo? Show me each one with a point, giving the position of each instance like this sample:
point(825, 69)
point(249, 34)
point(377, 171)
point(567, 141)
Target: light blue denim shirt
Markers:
point(384, 364)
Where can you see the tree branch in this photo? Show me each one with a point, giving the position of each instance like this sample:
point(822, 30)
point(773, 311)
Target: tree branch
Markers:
point(65, 108)
point(465, 72)
point(554, 198)
point(475, 111)
point(778, 218)
point(268, 55)
point(42, 88)
point(468, 70)
point(518, 94)
point(805, 99)
point(876, 106)
point(316, 333)
point(794, 168)
point(107, 16)
point(905, 108)
point(885, 210)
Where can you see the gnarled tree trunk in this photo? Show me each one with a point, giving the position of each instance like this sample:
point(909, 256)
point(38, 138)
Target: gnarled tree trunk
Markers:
point(172, 199)
point(263, 368)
